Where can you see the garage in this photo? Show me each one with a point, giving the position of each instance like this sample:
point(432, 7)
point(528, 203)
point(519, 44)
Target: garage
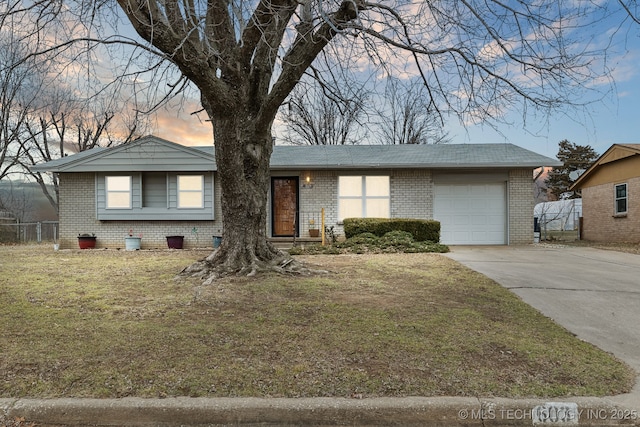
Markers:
point(471, 214)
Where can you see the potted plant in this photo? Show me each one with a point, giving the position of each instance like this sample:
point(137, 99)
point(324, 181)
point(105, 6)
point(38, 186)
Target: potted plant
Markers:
point(313, 230)
point(175, 242)
point(87, 241)
point(131, 242)
point(217, 239)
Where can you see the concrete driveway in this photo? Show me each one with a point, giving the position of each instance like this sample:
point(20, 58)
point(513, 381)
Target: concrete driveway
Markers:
point(593, 293)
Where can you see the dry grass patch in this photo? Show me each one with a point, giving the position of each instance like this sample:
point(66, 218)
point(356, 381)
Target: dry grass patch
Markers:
point(105, 323)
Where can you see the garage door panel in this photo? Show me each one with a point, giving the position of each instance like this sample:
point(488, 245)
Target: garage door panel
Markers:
point(479, 205)
point(471, 214)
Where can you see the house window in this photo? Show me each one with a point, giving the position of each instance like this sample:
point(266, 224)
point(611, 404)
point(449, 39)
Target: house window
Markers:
point(190, 191)
point(118, 189)
point(363, 197)
point(621, 199)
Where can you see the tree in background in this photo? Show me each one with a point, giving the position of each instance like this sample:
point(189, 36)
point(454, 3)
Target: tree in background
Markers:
point(575, 158)
point(20, 86)
point(69, 126)
point(316, 115)
point(51, 109)
point(406, 116)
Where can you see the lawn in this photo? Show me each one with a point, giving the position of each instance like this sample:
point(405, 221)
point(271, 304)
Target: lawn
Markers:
point(107, 323)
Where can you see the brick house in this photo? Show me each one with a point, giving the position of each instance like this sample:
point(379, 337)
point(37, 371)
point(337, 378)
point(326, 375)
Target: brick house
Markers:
point(481, 193)
point(610, 196)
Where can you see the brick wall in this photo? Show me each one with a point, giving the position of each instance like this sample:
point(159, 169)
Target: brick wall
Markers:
point(77, 208)
point(323, 194)
point(412, 194)
point(411, 197)
point(521, 203)
point(599, 223)
point(78, 215)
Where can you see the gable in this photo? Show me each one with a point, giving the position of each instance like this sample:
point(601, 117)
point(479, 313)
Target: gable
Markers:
point(619, 163)
point(145, 154)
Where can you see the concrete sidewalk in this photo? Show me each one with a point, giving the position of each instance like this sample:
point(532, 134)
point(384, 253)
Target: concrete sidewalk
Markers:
point(410, 411)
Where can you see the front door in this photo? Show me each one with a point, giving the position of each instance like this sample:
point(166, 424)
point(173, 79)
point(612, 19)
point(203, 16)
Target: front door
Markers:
point(284, 202)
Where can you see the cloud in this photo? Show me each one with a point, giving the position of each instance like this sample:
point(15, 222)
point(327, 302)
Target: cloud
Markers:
point(182, 127)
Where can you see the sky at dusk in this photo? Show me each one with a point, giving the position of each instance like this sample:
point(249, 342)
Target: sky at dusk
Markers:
point(613, 119)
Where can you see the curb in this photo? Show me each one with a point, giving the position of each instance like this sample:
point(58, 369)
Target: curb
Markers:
point(409, 411)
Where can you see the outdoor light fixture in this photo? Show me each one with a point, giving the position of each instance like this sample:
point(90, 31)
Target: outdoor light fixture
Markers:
point(307, 183)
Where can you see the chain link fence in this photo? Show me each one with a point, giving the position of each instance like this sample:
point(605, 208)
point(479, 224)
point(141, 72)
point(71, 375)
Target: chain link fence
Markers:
point(23, 232)
point(552, 228)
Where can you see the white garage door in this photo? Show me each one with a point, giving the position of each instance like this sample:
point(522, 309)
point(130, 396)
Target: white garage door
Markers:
point(471, 214)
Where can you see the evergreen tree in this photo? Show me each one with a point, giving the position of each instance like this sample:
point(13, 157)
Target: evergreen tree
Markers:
point(575, 157)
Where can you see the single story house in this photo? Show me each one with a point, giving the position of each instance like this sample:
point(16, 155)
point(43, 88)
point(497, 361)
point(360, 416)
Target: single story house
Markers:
point(610, 196)
point(481, 193)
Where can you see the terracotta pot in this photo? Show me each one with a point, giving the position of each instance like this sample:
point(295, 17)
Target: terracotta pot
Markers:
point(314, 232)
point(87, 242)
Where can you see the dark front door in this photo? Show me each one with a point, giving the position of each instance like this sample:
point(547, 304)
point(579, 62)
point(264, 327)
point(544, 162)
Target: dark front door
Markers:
point(284, 202)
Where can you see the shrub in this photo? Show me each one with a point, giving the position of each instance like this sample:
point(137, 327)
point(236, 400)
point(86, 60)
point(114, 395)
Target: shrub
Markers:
point(397, 238)
point(364, 238)
point(421, 229)
point(392, 242)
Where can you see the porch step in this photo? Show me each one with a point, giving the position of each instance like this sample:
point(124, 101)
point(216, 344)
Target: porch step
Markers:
point(287, 242)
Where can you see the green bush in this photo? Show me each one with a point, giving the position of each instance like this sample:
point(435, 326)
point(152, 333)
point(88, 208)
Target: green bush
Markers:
point(364, 238)
point(397, 238)
point(421, 229)
point(392, 242)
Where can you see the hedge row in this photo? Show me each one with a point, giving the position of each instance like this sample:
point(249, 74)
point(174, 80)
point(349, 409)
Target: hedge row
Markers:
point(421, 229)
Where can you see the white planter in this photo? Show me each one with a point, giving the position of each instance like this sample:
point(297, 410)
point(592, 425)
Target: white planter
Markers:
point(132, 243)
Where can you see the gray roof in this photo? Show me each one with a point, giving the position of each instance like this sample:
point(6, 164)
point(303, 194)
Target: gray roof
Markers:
point(151, 152)
point(407, 156)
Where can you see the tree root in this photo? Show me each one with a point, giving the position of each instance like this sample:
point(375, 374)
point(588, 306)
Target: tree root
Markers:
point(214, 267)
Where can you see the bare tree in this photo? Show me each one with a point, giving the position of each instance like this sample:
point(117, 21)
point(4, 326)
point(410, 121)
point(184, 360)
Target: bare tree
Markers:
point(632, 8)
point(68, 126)
point(407, 117)
point(20, 85)
point(42, 118)
point(313, 117)
point(475, 58)
point(401, 115)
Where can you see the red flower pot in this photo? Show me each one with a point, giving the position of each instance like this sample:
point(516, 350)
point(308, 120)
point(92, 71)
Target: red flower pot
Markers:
point(87, 242)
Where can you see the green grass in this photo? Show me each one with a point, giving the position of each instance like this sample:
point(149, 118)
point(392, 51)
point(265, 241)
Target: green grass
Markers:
point(102, 323)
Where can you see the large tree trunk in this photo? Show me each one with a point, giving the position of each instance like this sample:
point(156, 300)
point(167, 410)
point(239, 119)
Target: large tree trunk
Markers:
point(243, 152)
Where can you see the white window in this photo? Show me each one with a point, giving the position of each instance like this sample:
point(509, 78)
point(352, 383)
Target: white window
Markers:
point(118, 190)
point(363, 197)
point(621, 195)
point(190, 191)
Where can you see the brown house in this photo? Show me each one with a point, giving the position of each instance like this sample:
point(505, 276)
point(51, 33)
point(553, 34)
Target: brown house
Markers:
point(611, 196)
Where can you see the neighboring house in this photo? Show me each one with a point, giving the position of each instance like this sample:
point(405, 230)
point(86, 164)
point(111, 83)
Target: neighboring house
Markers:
point(481, 193)
point(611, 196)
